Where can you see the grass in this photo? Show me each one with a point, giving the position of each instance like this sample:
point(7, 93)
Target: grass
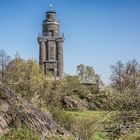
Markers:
point(85, 114)
point(97, 116)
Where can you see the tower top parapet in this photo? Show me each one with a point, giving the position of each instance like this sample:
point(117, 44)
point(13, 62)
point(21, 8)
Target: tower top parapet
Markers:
point(51, 12)
point(51, 17)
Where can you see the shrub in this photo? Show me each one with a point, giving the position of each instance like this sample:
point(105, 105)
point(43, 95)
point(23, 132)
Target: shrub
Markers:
point(22, 133)
point(64, 119)
point(58, 138)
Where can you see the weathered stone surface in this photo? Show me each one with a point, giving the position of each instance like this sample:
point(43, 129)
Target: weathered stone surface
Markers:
point(74, 104)
point(28, 114)
point(3, 125)
point(51, 46)
point(3, 106)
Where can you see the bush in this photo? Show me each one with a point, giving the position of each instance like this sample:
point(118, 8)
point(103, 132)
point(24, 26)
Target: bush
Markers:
point(64, 119)
point(59, 138)
point(85, 129)
point(132, 136)
point(22, 133)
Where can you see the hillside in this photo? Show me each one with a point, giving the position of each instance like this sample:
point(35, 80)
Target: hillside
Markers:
point(15, 110)
point(36, 106)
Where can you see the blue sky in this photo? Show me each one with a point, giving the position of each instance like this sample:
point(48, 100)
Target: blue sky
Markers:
point(97, 32)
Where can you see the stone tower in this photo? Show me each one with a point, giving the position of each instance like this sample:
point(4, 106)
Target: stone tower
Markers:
point(51, 46)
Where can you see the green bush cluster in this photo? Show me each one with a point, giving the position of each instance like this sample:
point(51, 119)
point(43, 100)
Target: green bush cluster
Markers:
point(27, 79)
point(58, 138)
point(64, 119)
point(22, 133)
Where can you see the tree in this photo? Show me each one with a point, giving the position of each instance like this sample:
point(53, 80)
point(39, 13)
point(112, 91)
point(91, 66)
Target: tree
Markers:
point(25, 77)
point(14, 70)
point(73, 86)
point(81, 71)
point(86, 73)
point(132, 75)
point(117, 75)
point(126, 99)
point(4, 59)
point(126, 76)
point(126, 114)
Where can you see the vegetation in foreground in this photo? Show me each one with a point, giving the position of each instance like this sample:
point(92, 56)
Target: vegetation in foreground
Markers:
point(89, 113)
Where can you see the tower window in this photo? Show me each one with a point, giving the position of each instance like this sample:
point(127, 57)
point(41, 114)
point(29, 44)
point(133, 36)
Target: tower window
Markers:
point(51, 33)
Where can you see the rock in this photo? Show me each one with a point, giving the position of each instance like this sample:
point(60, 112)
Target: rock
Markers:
point(28, 114)
point(3, 106)
point(3, 125)
point(74, 104)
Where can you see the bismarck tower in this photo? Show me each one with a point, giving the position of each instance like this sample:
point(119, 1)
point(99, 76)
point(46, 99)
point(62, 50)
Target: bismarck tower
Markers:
point(51, 46)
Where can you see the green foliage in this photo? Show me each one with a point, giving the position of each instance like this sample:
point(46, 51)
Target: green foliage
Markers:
point(25, 77)
point(131, 136)
point(88, 125)
point(127, 115)
point(52, 92)
point(84, 125)
point(22, 133)
point(126, 76)
point(28, 80)
point(64, 119)
point(122, 98)
point(123, 101)
point(86, 74)
point(97, 101)
point(100, 136)
point(73, 86)
point(4, 59)
point(58, 138)
point(85, 129)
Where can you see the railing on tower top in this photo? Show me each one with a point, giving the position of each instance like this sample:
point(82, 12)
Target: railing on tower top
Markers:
point(47, 35)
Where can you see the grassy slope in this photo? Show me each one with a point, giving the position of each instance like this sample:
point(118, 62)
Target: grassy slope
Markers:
point(98, 116)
